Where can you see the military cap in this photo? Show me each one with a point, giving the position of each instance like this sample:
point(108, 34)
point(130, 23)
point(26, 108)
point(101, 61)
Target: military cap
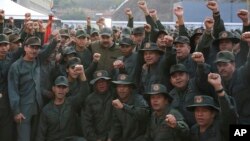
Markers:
point(197, 31)
point(14, 38)
point(61, 80)
point(4, 39)
point(182, 40)
point(94, 30)
point(226, 35)
point(159, 89)
point(138, 30)
point(73, 61)
point(203, 101)
point(124, 79)
point(33, 41)
point(150, 46)
point(64, 32)
point(224, 56)
point(126, 32)
point(7, 31)
point(126, 41)
point(178, 68)
point(106, 31)
point(81, 33)
point(69, 50)
point(100, 74)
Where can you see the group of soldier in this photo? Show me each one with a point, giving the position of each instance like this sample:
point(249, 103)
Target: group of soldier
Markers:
point(124, 84)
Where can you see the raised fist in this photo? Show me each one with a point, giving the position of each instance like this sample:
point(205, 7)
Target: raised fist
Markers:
point(246, 36)
point(243, 15)
point(213, 6)
point(128, 12)
point(147, 27)
point(153, 14)
point(143, 6)
point(1, 14)
point(198, 57)
point(209, 23)
point(215, 80)
point(118, 64)
point(178, 11)
point(96, 57)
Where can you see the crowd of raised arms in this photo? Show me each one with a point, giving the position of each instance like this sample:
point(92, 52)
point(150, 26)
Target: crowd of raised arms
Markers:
point(124, 83)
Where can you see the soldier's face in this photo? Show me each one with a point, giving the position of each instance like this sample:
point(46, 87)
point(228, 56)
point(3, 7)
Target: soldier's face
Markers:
point(126, 49)
point(94, 37)
point(101, 86)
point(161, 43)
point(158, 102)
point(226, 45)
point(64, 39)
point(226, 70)
point(106, 41)
point(182, 50)
point(72, 73)
point(151, 57)
point(31, 52)
point(179, 80)
point(14, 46)
point(81, 41)
point(60, 91)
point(123, 91)
point(4, 48)
point(138, 38)
point(204, 116)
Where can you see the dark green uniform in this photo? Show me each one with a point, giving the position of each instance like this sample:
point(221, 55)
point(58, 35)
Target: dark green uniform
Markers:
point(219, 129)
point(97, 116)
point(60, 122)
point(6, 117)
point(195, 86)
point(129, 123)
point(158, 130)
point(24, 90)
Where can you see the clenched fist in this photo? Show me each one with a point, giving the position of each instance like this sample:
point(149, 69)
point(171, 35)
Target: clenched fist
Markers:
point(213, 6)
point(117, 104)
point(198, 57)
point(171, 120)
point(118, 64)
point(246, 36)
point(243, 15)
point(96, 57)
point(209, 23)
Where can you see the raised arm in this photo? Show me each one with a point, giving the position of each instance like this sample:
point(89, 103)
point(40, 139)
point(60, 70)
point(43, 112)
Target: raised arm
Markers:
point(178, 11)
point(129, 14)
point(1, 20)
point(218, 22)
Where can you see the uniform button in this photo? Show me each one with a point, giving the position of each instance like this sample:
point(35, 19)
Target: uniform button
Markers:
point(1, 95)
